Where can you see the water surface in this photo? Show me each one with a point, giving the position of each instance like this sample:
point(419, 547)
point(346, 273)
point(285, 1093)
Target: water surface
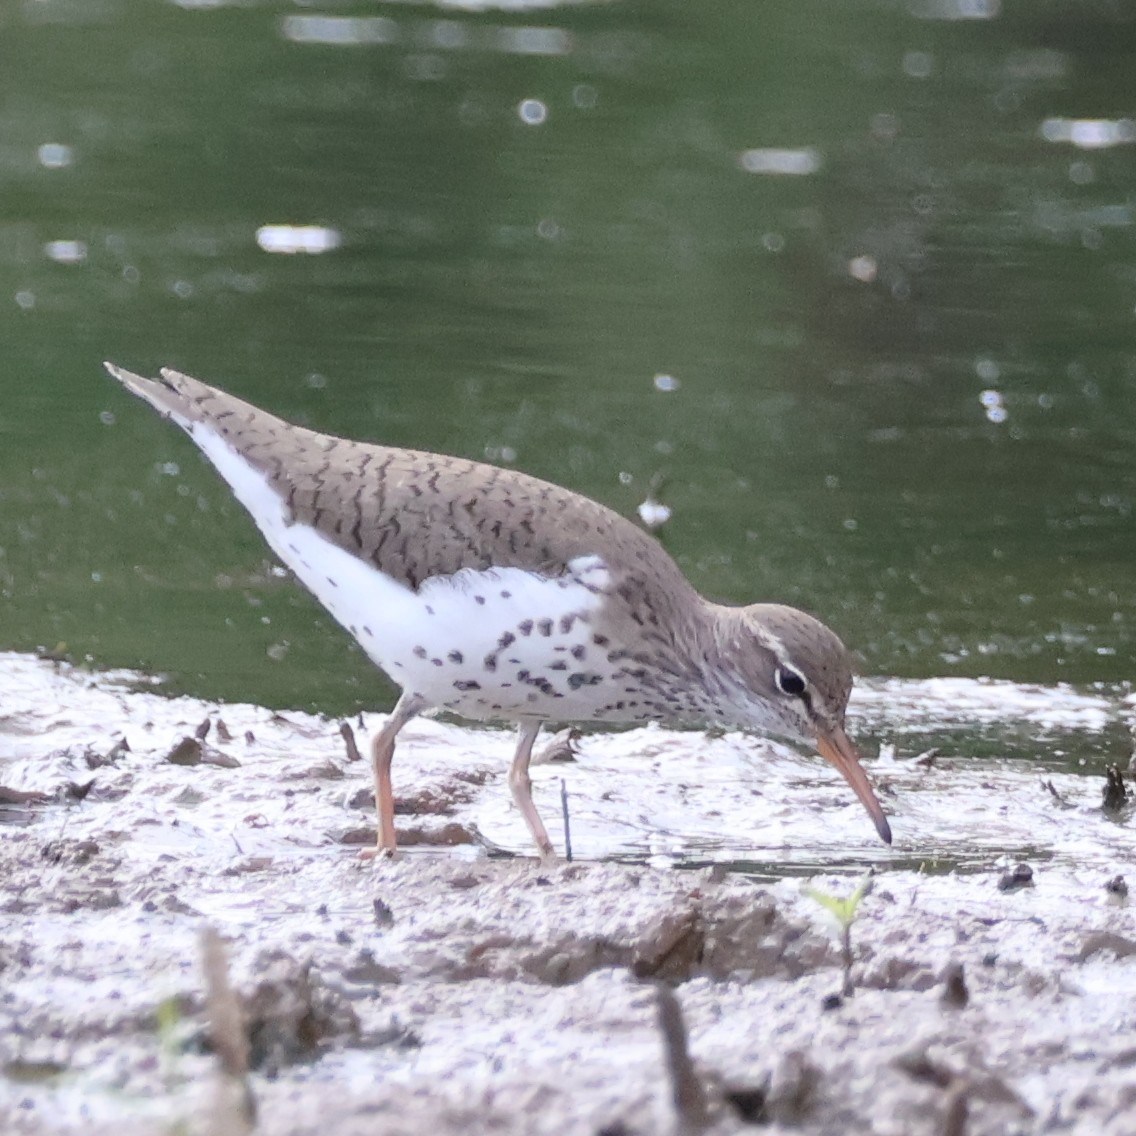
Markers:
point(856, 282)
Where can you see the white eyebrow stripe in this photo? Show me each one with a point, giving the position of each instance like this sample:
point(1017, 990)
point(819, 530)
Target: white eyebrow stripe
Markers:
point(774, 644)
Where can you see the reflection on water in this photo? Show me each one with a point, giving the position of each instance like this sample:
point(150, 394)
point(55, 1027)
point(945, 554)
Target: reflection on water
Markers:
point(881, 254)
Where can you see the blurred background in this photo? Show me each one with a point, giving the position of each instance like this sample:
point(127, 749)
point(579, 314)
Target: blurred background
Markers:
point(856, 281)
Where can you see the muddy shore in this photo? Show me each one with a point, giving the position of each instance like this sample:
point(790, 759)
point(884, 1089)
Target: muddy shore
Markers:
point(455, 990)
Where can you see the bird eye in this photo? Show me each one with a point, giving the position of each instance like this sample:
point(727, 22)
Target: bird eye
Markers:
point(789, 681)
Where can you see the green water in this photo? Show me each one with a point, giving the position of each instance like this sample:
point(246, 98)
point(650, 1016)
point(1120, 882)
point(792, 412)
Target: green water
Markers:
point(512, 287)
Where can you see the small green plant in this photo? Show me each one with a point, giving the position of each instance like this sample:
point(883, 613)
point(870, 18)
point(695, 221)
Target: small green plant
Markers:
point(169, 1021)
point(844, 909)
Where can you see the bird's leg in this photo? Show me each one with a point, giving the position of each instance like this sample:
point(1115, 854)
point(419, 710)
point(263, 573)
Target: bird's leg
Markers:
point(382, 750)
point(521, 785)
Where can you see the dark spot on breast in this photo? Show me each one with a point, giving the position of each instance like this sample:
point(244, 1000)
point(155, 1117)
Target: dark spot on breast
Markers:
point(600, 640)
point(559, 665)
point(544, 626)
point(420, 652)
point(436, 662)
point(506, 595)
point(575, 681)
point(566, 622)
point(506, 640)
point(429, 610)
point(332, 582)
point(455, 656)
point(490, 662)
point(480, 600)
point(525, 627)
point(579, 651)
point(467, 684)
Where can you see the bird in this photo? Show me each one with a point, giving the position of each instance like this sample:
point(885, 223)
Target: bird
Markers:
point(494, 595)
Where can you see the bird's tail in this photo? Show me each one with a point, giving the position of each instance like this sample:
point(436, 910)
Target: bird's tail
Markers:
point(188, 401)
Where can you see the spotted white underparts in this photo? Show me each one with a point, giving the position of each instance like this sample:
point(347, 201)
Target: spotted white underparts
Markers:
point(492, 643)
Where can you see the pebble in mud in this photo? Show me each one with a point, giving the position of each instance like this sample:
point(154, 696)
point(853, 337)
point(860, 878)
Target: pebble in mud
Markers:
point(185, 752)
point(194, 751)
point(955, 993)
point(115, 754)
point(77, 791)
point(1020, 876)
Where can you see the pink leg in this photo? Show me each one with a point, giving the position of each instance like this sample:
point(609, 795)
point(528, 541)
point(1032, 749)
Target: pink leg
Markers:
point(521, 785)
point(382, 751)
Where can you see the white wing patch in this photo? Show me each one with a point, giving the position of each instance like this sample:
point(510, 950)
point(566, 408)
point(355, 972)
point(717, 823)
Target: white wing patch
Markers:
point(500, 642)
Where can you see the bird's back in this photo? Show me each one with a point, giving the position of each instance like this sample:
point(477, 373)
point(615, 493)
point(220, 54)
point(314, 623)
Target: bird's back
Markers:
point(414, 515)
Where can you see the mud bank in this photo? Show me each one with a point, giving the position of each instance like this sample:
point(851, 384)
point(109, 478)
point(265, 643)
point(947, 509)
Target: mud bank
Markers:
point(456, 991)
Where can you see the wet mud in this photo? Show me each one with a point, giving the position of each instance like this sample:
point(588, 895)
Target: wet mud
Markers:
point(190, 943)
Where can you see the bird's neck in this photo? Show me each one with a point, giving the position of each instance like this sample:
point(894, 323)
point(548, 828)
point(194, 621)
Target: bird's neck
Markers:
point(728, 649)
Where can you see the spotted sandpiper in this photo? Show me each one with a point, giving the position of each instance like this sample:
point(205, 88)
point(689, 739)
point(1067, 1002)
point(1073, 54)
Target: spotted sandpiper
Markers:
point(495, 595)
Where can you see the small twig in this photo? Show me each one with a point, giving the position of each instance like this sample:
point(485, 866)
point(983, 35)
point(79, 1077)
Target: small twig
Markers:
point(1115, 794)
point(567, 825)
point(1058, 797)
point(686, 1089)
point(348, 735)
point(849, 988)
point(957, 1112)
point(231, 1117)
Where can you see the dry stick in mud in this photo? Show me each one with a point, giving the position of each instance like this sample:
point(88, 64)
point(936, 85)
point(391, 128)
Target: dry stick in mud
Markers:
point(686, 1089)
point(348, 735)
point(567, 825)
point(234, 1107)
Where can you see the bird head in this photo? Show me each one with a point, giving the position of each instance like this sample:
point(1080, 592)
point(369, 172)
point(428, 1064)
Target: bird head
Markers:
point(798, 676)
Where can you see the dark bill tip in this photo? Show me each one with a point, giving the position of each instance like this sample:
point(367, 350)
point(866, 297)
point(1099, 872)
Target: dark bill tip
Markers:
point(837, 749)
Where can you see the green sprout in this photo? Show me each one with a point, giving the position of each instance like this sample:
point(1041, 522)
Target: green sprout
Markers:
point(844, 909)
